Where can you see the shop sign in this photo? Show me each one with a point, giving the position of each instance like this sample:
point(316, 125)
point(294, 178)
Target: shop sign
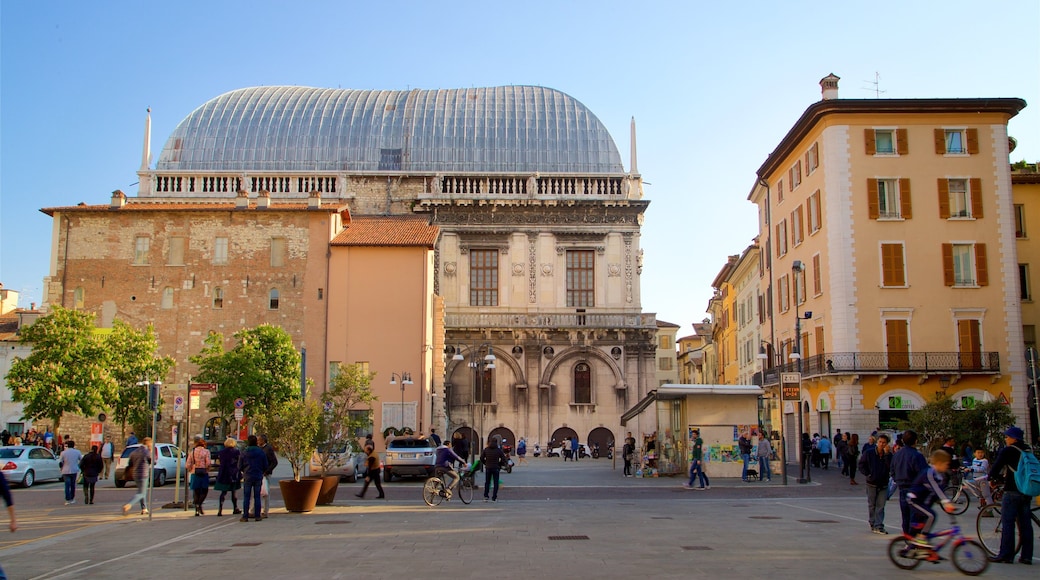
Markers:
point(790, 384)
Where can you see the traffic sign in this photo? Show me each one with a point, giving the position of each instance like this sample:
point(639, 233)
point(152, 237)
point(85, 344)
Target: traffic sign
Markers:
point(239, 404)
point(239, 413)
point(178, 408)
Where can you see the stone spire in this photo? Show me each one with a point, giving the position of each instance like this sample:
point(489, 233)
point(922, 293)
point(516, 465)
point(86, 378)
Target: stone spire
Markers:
point(634, 167)
point(146, 155)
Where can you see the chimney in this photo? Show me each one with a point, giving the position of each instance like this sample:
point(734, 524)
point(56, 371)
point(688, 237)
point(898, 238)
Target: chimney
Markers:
point(829, 86)
point(263, 199)
point(314, 200)
point(118, 199)
point(242, 201)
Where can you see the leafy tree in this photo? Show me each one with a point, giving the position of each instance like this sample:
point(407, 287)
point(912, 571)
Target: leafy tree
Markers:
point(980, 425)
point(68, 370)
point(985, 424)
point(349, 389)
point(935, 420)
point(263, 369)
point(292, 426)
point(132, 358)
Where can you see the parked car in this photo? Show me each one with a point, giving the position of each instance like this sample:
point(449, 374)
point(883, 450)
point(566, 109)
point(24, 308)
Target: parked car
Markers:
point(167, 460)
point(27, 464)
point(409, 456)
point(344, 464)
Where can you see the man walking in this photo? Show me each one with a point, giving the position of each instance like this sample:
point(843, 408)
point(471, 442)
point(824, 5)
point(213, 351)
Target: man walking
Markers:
point(107, 454)
point(876, 465)
point(254, 470)
point(70, 459)
point(696, 463)
point(824, 445)
point(764, 452)
point(435, 437)
point(1014, 507)
point(907, 464)
point(272, 462)
point(138, 465)
point(493, 459)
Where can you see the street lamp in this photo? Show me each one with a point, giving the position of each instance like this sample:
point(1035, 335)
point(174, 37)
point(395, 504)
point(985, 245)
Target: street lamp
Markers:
point(782, 451)
point(797, 267)
point(406, 379)
point(479, 364)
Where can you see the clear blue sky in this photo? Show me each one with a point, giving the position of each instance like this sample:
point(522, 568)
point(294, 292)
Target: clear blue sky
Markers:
point(713, 90)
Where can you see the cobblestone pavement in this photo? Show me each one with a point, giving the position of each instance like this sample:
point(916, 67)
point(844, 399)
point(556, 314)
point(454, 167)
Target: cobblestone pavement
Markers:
point(553, 519)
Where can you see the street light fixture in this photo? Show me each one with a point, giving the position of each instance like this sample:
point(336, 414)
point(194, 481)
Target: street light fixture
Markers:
point(406, 379)
point(797, 267)
point(782, 451)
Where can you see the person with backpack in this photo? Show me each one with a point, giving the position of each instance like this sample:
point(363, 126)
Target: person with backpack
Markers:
point(1018, 469)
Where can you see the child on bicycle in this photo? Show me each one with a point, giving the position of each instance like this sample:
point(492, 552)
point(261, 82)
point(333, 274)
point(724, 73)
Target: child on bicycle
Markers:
point(924, 492)
point(445, 466)
point(980, 470)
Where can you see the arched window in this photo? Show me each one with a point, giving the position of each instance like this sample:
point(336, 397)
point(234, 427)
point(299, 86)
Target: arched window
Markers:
point(218, 297)
point(582, 384)
point(167, 297)
point(272, 299)
point(77, 298)
point(485, 386)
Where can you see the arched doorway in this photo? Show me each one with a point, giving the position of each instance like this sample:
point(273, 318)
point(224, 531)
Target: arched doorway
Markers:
point(603, 437)
point(503, 436)
point(560, 434)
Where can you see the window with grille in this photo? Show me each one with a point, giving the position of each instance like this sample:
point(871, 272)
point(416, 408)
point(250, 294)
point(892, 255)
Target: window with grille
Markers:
point(272, 299)
point(218, 297)
point(483, 277)
point(580, 278)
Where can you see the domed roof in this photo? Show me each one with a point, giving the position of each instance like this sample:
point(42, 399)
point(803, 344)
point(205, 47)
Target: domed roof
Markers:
point(484, 130)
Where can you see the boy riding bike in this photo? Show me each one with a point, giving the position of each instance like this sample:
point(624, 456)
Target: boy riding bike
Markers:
point(444, 467)
point(925, 491)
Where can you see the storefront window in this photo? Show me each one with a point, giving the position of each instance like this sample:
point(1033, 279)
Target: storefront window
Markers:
point(670, 442)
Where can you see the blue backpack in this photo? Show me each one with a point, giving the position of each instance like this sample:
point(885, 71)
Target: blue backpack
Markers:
point(1027, 476)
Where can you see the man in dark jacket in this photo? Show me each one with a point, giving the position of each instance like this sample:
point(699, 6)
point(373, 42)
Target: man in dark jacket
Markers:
point(876, 465)
point(907, 464)
point(1014, 507)
point(254, 467)
point(272, 462)
point(493, 459)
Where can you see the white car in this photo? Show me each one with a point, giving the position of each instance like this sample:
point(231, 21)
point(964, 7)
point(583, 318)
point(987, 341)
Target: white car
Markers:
point(344, 464)
point(167, 460)
point(27, 464)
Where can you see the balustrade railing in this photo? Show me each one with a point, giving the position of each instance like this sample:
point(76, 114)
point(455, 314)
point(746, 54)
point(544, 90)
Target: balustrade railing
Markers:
point(560, 320)
point(884, 363)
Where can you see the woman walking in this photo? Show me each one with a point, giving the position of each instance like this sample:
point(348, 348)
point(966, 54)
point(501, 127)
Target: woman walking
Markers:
point(852, 457)
point(198, 464)
point(371, 473)
point(229, 478)
point(91, 467)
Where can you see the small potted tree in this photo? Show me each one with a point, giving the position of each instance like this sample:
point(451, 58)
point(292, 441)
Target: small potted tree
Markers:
point(349, 390)
point(293, 427)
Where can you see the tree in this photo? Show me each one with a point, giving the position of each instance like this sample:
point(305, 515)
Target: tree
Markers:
point(68, 370)
point(935, 420)
point(263, 369)
point(292, 426)
point(981, 425)
point(984, 425)
point(350, 389)
point(132, 359)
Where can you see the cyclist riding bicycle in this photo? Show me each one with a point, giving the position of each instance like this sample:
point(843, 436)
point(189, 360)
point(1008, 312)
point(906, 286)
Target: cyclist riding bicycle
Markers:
point(925, 491)
point(446, 458)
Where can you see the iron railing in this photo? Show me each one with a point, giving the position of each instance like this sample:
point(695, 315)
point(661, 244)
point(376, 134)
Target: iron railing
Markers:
point(553, 320)
point(843, 363)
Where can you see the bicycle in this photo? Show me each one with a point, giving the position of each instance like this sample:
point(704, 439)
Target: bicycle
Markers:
point(968, 555)
point(961, 492)
point(987, 524)
point(435, 490)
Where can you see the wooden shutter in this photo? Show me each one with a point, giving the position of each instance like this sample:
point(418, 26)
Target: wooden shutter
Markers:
point(969, 344)
point(975, 187)
point(973, 141)
point(892, 270)
point(817, 276)
point(940, 141)
point(778, 242)
point(872, 199)
point(808, 168)
point(868, 135)
point(898, 344)
point(904, 198)
point(947, 258)
point(801, 223)
point(902, 144)
point(790, 178)
point(944, 198)
point(981, 265)
point(819, 340)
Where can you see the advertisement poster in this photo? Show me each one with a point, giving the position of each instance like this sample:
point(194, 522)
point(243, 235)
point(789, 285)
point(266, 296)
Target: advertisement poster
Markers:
point(723, 453)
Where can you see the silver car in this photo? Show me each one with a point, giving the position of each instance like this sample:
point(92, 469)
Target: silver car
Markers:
point(409, 456)
point(344, 464)
point(167, 460)
point(27, 464)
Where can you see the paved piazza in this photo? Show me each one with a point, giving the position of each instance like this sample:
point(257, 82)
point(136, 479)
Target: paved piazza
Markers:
point(553, 519)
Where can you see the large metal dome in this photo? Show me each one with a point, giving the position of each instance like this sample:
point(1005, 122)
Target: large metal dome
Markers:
point(509, 129)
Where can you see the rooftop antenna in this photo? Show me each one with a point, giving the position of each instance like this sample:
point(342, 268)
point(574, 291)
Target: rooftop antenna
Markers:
point(877, 86)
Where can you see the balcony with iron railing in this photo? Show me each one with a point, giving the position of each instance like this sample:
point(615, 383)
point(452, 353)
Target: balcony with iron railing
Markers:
point(461, 320)
point(885, 363)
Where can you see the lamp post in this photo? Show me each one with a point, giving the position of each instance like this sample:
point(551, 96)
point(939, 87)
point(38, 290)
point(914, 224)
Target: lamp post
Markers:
point(479, 364)
point(406, 379)
point(154, 392)
point(797, 267)
point(782, 451)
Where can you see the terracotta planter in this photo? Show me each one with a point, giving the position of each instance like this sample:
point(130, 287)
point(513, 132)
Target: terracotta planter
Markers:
point(329, 487)
point(300, 496)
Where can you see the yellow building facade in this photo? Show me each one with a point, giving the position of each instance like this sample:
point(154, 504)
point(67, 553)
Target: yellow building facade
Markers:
point(1025, 187)
point(887, 232)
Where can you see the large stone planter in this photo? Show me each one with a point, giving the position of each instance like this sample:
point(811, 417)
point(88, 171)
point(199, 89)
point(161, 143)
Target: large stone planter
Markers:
point(300, 496)
point(329, 487)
